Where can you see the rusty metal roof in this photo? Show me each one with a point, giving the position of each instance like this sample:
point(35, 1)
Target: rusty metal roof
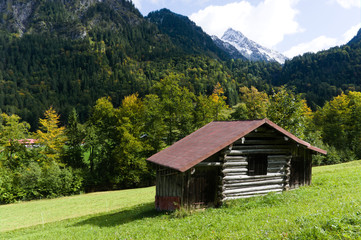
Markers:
point(210, 139)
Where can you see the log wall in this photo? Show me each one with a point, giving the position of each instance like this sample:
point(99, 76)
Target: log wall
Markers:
point(237, 181)
point(226, 175)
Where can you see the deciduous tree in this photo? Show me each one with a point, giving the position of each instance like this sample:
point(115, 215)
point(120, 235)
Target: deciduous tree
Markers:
point(254, 104)
point(289, 111)
point(51, 136)
point(13, 137)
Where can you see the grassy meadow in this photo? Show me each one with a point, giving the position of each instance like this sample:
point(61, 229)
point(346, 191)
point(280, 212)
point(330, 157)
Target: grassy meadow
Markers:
point(328, 209)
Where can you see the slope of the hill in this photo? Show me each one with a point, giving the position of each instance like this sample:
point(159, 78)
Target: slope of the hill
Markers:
point(186, 34)
point(70, 53)
point(71, 17)
point(328, 209)
point(325, 74)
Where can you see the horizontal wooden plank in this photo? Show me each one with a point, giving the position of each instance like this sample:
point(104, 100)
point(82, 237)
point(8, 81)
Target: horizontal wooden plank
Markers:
point(270, 169)
point(252, 189)
point(278, 163)
point(230, 181)
point(254, 183)
point(229, 170)
point(235, 174)
point(251, 194)
point(256, 151)
point(277, 160)
point(255, 193)
point(248, 141)
point(235, 167)
point(235, 158)
point(283, 168)
point(209, 164)
point(275, 168)
point(244, 147)
point(231, 164)
point(279, 171)
point(269, 175)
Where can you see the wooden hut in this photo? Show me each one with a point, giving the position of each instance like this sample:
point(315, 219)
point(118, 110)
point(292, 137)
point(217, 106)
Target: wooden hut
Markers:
point(230, 160)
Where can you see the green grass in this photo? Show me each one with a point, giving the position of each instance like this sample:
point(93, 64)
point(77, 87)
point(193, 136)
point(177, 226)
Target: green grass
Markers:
point(20, 215)
point(329, 209)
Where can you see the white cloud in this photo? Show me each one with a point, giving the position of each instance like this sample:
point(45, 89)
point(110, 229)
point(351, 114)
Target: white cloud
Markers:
point(266, 23)
point(315, 45)
point(322, 43)
point(349, 34)
point(137, 3)
point(349, 3)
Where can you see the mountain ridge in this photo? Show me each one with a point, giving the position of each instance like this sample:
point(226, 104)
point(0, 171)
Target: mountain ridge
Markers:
point(186, 33)
point(63, 16)
point(63, 54)
point(229, 48)
point(248, 48)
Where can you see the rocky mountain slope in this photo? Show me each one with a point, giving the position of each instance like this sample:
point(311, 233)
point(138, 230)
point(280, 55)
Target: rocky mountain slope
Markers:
point(69, 17)
point(235, 43)
point(229, 48)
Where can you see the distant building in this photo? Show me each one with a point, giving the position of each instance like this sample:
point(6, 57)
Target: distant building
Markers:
point(230, 160)
point(29, 142)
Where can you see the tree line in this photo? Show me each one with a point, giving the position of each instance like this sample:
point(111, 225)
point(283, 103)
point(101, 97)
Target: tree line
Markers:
point(108, 151)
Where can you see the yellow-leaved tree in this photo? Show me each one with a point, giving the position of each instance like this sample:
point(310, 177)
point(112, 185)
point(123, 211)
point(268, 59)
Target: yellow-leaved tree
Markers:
point(254, 104)
point(51, 137)
point(218, 102)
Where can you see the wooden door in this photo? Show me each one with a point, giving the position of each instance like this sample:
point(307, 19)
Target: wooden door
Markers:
point(297, 177)
point(202, 186)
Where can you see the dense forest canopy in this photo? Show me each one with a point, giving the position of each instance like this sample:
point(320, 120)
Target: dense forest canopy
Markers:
point(101, 88)
point(70, 53)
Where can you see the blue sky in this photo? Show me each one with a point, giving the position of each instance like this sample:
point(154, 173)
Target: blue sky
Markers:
point(291, 27)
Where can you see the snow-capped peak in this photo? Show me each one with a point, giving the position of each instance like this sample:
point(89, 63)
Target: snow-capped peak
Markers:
point(250, 49)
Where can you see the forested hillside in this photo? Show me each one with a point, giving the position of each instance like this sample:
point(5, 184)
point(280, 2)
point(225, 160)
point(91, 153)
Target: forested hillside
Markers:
point(100, 88)
point(186, 34)
point(325, 74)
point(70, 53)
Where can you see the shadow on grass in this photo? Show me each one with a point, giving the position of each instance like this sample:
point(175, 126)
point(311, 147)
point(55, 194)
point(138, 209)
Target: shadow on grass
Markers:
point(115, 218)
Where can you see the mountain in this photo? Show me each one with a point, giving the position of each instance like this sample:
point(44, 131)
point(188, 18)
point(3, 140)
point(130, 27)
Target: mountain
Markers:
point(186, 34)
point(69, 53)
point(247, 48)
point(92, 20)
point(73, 18)
point(229, 48)
point(324, 74)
